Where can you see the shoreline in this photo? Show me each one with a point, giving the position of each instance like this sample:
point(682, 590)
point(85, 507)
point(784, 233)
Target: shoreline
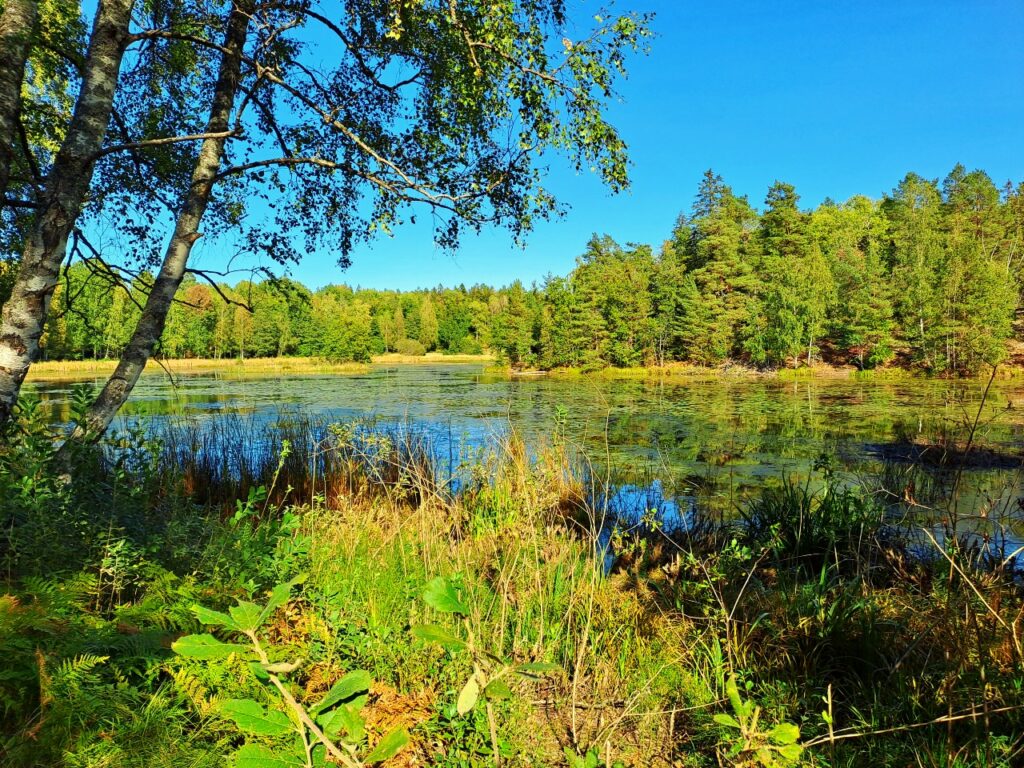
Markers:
point(819, 372)
point(71, 369)
point(74, 369)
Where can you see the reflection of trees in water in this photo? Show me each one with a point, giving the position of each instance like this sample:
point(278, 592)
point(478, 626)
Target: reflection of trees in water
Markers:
point(722, 435)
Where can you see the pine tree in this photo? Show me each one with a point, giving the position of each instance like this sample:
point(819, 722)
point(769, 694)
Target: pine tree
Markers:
point(718, 257)
point(798, 283)
point(980, 294)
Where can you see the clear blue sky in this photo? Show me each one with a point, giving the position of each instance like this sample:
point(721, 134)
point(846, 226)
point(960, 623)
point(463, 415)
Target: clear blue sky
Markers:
point(836, 98)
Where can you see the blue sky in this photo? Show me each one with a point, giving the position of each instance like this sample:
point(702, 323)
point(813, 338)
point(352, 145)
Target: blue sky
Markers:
point(836, 98)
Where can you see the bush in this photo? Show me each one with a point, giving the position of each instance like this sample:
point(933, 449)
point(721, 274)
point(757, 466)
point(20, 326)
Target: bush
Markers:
point(469, 346)
point(410, 347)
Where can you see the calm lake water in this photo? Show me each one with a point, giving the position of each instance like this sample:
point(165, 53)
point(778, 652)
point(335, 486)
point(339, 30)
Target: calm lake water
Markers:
point(719, 437)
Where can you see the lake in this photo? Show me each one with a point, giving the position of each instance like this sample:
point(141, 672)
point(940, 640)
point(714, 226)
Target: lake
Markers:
point(712, 439)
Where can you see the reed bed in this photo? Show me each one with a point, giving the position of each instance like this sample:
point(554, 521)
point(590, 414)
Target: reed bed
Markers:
point(858, 633)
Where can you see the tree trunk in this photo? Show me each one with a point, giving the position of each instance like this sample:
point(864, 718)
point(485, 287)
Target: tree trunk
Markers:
point(150, 326)
point(24, 314)
point(17, 22)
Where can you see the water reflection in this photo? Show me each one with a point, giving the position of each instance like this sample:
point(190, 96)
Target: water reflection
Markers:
point(679, 438)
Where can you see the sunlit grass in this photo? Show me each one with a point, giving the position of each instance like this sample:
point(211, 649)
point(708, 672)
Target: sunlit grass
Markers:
point(72, 369)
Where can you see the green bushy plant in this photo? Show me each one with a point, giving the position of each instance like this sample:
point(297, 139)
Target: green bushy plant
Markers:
point(281, 731)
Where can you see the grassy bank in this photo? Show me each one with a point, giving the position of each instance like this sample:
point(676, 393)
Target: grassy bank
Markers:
point(67, 369)
point(483, 623)
point(77, 369)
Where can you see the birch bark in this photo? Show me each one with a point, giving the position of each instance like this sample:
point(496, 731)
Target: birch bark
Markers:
point(186, 231)
point(24, 314)
point(17, 20)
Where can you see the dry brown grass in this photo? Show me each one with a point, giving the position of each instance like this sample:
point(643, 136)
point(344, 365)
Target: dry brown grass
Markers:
point(73, 369)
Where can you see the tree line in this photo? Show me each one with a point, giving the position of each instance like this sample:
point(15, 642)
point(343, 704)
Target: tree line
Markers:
point(927, 276)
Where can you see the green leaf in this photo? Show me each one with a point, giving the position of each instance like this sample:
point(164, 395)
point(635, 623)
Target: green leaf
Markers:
point(389, 746)
point(345, 718)
point(468, 695)
point(726, 720)
point(350, 685)
point(785, 733)
point(253, 717)
point(435, 634)
point(733, 693)
point(213, 618)
point(258, 756)
point(791, 752)
point(497, 689)
point(247, 616)
point(280, 595)
point(259, 671)
point(204, 647)
point(442, 596)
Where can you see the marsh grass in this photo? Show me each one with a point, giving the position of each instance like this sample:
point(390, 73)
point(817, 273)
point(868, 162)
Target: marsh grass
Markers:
point(883, 647)
point(226, 367)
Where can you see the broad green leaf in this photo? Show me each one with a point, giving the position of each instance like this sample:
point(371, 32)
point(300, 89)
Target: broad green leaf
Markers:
point(435, 634)
point(389, 746)
point(468, 695)
point(279, 596)
point(345, 718)
point(258, 756)
point(204, 647)
point(442, 596)
point(791, 752)
point(213, 618)
point(247, 616)
point(497, 689)
point(253, 717)
point(319, 756)
point(785, 733)
point(350, 685)
point(259, 671)
point(726, 720)
point(732, 691)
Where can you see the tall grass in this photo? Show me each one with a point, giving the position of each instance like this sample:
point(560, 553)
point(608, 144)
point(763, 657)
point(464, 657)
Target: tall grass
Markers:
point(816, 604)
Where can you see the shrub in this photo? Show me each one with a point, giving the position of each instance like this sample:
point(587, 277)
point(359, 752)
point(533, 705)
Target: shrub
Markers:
point(410, 347)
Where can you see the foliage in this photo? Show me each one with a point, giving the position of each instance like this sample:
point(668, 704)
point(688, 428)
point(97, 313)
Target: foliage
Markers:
point(925, 277)
point(332, 727)
point(479, 621)
point(805, 528)
point(775, 747)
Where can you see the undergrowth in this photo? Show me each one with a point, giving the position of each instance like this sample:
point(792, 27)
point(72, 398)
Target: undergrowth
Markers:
point(336, 596)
